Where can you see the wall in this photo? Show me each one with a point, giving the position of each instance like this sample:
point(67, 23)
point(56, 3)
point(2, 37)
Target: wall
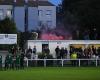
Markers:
point(53, 16)
point(5, 8)
point(61, 43)
point(32, 17)
point(37, 44)
point(19, 16)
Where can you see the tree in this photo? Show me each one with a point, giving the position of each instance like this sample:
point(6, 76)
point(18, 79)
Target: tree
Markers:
point(83, 13)
point(7, 26)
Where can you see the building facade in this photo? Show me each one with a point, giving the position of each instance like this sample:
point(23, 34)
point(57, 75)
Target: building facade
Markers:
point(47, 13)
point(5, 10)
point(52, 45)
point(38, 11)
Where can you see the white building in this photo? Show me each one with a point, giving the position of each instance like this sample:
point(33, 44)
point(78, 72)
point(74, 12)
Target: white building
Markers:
point(39, 11)
point(52, 44)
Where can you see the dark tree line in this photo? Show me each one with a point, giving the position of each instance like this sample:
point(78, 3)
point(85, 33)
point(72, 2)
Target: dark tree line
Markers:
point(7, 26)
point(84, 16)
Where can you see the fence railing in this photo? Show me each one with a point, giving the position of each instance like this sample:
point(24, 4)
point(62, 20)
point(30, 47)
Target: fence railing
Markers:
point(64, 62)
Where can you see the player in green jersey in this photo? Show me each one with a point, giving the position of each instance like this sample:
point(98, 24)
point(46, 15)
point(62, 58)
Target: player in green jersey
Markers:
point(17, 62)
point(6, 62)
point(10, 61)
point(0, 62)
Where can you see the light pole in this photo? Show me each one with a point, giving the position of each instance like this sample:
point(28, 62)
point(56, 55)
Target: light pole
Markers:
point(26, 34)
point(26, 15)
point(13, 11)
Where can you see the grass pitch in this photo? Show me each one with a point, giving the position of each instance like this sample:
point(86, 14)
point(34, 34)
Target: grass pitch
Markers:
point(72, 73)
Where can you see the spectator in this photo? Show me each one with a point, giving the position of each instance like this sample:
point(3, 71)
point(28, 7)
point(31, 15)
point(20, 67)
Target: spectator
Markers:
point(22, 61)
point(28, 53)
point(66, 52)
point(57, 50)
point(34, 50)
point(80, 53)
point(93, 50)
point(98, 52)
point(46, 51)
point(71, 50)
point(13, 51)
point(74, 56)
point(62, 52)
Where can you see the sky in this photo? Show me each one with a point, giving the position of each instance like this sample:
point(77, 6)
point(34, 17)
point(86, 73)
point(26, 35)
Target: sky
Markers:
point(56, 2)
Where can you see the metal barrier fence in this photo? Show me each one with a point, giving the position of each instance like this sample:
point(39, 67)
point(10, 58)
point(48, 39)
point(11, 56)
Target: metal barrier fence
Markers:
point(62, 62)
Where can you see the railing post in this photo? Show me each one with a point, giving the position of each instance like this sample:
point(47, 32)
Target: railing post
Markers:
point(62, 62)
point(27, 62)
point(79, 62)
point(44, 62)
point(96, 63)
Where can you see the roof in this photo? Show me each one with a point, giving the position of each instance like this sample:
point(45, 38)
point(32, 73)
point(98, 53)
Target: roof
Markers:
point(32, 3)
point(6, 2)
point(11, 2)
point(22, 3)
point(45, 3)
point(19, 3)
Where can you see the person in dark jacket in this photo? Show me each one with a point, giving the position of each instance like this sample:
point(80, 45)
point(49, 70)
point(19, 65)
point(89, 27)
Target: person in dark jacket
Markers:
point(66, 52)
point(22, 61)
point(34, 50)
point(46, 51)
point(62, 52)
point(93, 50)
point(57, 50)
point(28, 53)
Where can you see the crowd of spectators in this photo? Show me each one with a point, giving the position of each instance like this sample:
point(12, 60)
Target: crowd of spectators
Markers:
point(62, 53)
point(86, 53)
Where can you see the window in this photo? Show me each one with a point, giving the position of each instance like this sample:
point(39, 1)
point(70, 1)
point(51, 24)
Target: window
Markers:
point(40, 13)
point(49, 23)
point(1, 14)
point(48, 13)
point(9, 13)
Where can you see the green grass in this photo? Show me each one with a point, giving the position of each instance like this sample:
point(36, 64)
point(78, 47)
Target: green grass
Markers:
point(68, 73)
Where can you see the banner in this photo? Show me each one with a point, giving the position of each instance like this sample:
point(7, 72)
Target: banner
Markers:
point(8, 38)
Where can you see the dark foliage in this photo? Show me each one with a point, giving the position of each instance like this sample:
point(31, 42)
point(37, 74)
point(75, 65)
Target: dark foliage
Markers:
point(84, 14)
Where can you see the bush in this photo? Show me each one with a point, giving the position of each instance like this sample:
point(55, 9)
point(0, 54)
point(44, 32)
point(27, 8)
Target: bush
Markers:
point(43, 56)
point(49, 62)
point(6, 47)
